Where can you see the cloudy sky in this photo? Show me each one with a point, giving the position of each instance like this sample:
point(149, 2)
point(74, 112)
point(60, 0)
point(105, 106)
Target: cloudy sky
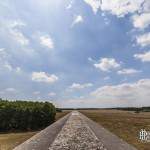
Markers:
point(76, 53)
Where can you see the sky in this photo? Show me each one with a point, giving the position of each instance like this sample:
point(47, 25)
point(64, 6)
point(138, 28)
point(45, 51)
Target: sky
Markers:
point(76, 53)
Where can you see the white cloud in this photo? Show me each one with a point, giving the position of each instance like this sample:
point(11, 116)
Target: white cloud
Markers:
point(9, 91)
point(94, 4)
point(36, 92)
point(3, 53)
point(144, 39)
point(12, 90)
point(146, 6)
point(5, 62)
point(17, 23)
point(69, 5)
point(121, 7)
point(8, 66)
point(44, 77)
point(77, 86)
point(107, 64)
point(135, 94)
point(18, 43)
point(2, 50)
point(116, 7)
point(138, 9)
point(125, 94)
point(46, 41)
point(18, 70)
point(141, 21)
point(145, 57)
point(14, 32)
point(128, 71)
point(78, 19)
point(19, 37)
point(51, 94)
point(90, 59)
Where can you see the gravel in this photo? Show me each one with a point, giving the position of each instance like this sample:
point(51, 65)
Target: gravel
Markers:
point(76, 135)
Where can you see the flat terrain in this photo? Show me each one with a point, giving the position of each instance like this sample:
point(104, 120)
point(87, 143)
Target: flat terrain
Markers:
point(61, 114)
point(125, 124)
point(9, 140)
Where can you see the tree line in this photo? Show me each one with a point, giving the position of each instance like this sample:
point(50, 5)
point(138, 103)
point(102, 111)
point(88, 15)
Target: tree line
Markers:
point(25, 115)
point(136, 109)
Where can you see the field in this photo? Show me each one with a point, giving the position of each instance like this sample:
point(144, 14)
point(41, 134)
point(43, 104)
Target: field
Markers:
point(10, 140)
point(125, 124)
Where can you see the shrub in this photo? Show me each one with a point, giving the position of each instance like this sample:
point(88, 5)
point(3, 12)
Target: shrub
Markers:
point(25, 115)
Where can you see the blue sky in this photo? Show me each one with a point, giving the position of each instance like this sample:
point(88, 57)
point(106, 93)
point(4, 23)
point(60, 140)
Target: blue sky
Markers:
point(85, 53)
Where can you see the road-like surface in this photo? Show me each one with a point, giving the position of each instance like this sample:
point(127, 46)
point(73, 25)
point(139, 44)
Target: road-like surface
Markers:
point(43, 139)
point(76, 135)
point(75, 132)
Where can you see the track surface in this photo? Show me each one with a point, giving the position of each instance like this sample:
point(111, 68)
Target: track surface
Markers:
point(75, 132)
point(76, 135)
point(43, 139)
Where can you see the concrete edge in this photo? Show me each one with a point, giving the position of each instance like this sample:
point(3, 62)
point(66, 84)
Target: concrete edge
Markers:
point(109, 140)
point(44, 138)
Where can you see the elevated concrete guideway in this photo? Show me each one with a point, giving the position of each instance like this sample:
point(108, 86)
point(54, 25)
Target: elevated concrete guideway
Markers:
point(75, 132)
point(76, 135)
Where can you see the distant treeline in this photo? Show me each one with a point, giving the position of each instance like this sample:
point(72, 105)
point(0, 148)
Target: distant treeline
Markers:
point(58, 110)
point(25, 115)
point(136, 109)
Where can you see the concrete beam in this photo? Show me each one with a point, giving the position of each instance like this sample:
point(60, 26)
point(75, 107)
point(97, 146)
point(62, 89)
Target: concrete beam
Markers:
point(75, 132)
point(43, 139)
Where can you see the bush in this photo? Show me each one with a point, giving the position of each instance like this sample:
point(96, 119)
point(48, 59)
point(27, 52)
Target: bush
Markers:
point(25, 115)
point(58, 110)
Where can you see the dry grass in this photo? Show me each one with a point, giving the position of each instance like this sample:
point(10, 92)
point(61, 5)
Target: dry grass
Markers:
point(61, 114)
point(10, 140)
point(124, 124)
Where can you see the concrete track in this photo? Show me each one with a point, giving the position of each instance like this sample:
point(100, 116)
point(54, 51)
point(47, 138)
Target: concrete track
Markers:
point(75, 132)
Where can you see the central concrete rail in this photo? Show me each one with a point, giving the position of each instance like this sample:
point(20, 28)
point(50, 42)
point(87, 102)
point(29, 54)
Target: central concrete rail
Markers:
point(75, 132)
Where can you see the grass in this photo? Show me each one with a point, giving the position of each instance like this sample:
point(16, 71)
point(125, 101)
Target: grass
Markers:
point(61, 114)
point(10, 140)
point(125, 124)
